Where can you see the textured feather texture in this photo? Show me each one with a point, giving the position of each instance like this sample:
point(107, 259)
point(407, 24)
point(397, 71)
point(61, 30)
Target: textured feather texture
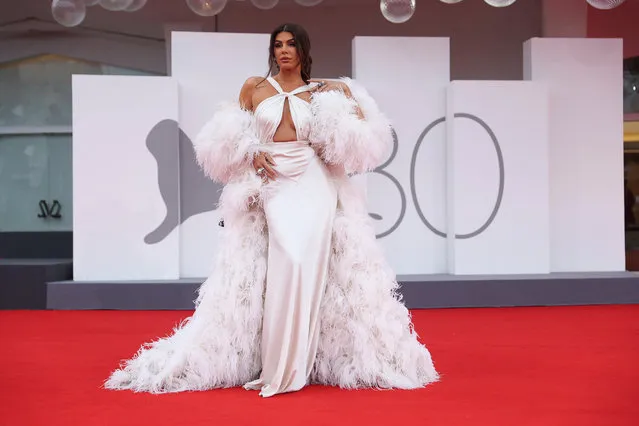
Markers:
point(219, 346)
point(225, 143)
point(240, 194)
point(358, 145)
point(366, 337)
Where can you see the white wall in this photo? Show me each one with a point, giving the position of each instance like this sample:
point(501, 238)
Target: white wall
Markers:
point(201, 91)
point(577, 161)
point(498, 181)
point(586, 149)
point(410, 88)
point(116, 169)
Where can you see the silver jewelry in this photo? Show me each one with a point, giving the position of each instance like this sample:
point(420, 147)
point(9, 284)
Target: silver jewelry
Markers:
point(260, 171)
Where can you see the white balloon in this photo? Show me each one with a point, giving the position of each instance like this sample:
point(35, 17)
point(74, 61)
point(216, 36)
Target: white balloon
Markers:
point(605, 4)
point(69, 12)
point(115, 5)
point(397, 11)
point(135, 6)
point(206, 7)
point(308, 2)
point(265, 4)
point(91, 2)
point(451, 1)
point(500, 3)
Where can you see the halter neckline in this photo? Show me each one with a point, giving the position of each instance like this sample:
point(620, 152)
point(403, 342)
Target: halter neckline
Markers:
point(281, 91)
point(270, 111)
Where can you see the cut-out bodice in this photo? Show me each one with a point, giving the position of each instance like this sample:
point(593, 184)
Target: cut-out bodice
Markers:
point(269, 113)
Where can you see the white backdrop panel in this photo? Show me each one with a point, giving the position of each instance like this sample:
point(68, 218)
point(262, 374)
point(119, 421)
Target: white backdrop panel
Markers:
point(210, 69)
point(586, 149)
point(198, 233)
point(116, 203)
point(498, 177)
point(221, 61)
point(408, 76)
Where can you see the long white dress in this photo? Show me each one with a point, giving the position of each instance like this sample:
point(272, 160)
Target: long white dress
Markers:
point(300, 290)
point(300, 208)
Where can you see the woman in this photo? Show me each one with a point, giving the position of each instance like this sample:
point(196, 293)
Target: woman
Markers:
point(300, 292)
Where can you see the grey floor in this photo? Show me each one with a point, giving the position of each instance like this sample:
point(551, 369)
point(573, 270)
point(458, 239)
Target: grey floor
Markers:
point(419, 291)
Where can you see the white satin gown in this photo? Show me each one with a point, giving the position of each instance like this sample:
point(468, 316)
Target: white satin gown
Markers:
point(299, 207)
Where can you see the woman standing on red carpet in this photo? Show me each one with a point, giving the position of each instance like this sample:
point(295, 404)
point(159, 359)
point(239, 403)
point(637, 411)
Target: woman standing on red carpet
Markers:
point(300, 292)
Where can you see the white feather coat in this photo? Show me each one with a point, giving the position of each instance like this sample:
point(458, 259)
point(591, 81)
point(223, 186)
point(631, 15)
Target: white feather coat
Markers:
point(366, 338)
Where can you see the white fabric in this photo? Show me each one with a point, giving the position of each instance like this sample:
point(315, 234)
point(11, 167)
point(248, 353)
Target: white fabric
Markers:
point(269, 112)
point(300, 208)
point(366, 337)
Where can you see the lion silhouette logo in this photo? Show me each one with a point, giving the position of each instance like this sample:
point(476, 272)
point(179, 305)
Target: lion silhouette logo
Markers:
point(193, 193)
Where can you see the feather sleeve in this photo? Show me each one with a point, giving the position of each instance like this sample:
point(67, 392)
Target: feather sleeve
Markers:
point(359, 145)
point(226, 143)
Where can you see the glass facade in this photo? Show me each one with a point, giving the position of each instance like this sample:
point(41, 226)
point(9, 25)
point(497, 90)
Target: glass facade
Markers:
point(631, 85)
point(35, 182)
point(36, 141)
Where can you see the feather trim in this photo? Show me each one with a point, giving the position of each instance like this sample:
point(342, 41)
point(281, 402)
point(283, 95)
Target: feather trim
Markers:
point(345, 139)
point(219, 346)
point(367, 339)
point(240, 195)
point(226, 143)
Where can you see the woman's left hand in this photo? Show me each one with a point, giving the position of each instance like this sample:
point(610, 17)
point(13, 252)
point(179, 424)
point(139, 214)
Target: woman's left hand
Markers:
point(327, 85)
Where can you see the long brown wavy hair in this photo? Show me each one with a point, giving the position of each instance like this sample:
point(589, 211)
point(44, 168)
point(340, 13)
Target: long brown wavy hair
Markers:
point(302, 44)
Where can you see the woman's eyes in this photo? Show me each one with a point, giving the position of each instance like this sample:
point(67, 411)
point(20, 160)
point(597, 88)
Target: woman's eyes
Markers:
point(279, 45)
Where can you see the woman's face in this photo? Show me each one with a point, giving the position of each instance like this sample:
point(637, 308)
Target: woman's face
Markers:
point(285, 51)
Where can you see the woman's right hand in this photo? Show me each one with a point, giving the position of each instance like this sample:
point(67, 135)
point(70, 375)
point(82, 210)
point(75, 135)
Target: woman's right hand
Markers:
point(263, 165)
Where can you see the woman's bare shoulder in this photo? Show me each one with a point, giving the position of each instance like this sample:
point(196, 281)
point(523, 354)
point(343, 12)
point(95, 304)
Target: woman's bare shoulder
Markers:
point(253, 82)
point(248, 89)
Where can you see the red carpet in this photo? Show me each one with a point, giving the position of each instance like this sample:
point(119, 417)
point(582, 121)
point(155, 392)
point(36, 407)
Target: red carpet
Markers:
point(512, 367)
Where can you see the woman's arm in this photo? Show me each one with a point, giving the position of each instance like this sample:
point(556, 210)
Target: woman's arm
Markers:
point(246, 93)
point(340, 86)
point(349, 127)
point(261, 161)
point(225, 145)
point(347, 91)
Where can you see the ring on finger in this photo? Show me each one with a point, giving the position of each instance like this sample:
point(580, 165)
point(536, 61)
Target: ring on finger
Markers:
point(260, 171)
